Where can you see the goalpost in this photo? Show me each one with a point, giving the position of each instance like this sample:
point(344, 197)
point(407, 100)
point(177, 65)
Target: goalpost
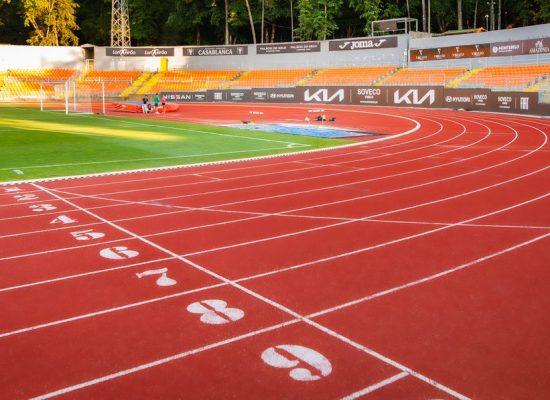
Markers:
point(72, 97)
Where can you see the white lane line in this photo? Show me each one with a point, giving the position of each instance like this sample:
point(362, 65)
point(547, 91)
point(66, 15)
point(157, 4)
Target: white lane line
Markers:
point(316, 206)
point(225, 170)
point(424, 184)
point(430, 277)
point(121, 161)
point(107, 311)
point(388, 243)
point(162, 361)
point(91, 273)
point(264, 299)
point(229, 179)
point(376, 386)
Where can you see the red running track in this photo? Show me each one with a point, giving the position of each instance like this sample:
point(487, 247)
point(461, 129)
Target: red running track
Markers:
point(410, 268)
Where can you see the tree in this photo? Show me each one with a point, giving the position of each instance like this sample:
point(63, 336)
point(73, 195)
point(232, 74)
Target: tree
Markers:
point(251, 21)
point(316, 20)
point(459, 13)
point(368, 11)
point(52, 21)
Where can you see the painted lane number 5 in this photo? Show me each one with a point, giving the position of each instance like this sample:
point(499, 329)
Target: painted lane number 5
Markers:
point(304, 363)
point(88, 234)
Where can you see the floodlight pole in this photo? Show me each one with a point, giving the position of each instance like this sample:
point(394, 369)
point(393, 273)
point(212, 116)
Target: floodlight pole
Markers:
point(120, 24)
point(41, 97)
point(74, 96)
point(103, 96)
point(66, 97)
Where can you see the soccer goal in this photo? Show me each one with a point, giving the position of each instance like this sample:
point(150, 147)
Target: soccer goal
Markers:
point(72, 97)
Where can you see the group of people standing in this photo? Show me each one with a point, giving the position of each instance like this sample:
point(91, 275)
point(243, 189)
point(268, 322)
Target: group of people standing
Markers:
point(147, 107)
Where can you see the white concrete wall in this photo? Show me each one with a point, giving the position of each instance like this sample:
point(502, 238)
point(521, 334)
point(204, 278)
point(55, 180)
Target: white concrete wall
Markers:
point(35, 57)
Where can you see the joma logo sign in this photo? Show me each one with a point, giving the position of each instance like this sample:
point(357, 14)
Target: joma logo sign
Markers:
point(411, 96)
point(323, 96)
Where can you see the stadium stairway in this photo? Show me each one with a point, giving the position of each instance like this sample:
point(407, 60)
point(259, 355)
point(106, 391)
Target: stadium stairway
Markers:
point(306, 78)
point(537, 85)
point(380, 82)
point(136, 85)
point(150, 82)
point(456, 82)
point(235, 78)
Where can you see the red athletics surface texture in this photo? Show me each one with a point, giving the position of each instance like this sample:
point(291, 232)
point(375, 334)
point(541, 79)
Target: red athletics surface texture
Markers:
point(414, 267)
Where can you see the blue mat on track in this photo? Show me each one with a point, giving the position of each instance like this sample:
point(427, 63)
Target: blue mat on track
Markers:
point(305, 130)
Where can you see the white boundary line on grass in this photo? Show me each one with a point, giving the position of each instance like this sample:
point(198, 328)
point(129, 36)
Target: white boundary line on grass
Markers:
point(417, 126)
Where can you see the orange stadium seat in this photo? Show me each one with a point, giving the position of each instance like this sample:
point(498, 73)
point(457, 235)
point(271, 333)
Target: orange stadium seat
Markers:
point(518, 76)
point(432, 76)
point(194, 80)
point(349, 76)
point(271, 78)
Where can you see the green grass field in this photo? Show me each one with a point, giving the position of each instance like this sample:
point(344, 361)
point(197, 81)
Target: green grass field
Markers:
point(36, 144)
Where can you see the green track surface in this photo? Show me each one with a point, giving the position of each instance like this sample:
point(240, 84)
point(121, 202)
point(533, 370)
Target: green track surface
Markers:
point(36, 144)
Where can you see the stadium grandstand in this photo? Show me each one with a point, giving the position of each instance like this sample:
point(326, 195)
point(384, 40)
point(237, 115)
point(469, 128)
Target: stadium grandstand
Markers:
point(350, 218)
point(446, 62)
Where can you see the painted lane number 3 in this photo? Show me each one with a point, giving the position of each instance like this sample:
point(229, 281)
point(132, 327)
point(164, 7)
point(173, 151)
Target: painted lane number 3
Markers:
point(304, 363)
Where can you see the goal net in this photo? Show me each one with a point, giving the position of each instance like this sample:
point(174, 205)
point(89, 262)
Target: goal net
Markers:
point(72, 97)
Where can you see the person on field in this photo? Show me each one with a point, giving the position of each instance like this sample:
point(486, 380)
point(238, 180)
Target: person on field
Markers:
point(156, 101)
point(163, 102)
point(144, 104)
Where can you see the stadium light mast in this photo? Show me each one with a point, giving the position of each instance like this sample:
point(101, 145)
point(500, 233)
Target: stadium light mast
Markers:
point(120, 24)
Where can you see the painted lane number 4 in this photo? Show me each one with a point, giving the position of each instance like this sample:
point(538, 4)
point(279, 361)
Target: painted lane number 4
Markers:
point(304, 363)
point(25, 197)
point(215, 312)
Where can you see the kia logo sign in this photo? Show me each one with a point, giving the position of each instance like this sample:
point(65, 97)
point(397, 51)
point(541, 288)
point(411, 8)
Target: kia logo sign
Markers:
point(412, 97)
point(323, 96)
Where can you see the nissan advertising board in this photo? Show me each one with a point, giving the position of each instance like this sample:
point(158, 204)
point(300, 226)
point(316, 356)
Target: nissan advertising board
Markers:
point(185, 96)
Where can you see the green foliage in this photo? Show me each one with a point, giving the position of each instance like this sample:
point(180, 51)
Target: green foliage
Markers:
point(368, 11)
point(53, 22)
point(317, 18)
point(186, 22)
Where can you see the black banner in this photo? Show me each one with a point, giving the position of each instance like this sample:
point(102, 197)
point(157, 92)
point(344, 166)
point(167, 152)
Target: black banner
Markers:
point(369, 95)
point(323, 95)
point(400, 96)
point(139, 51)
point(185, 96)
point(383, 42)
point(468, 99)
point(450, 53)
point(298, 47)
point(202, 51)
